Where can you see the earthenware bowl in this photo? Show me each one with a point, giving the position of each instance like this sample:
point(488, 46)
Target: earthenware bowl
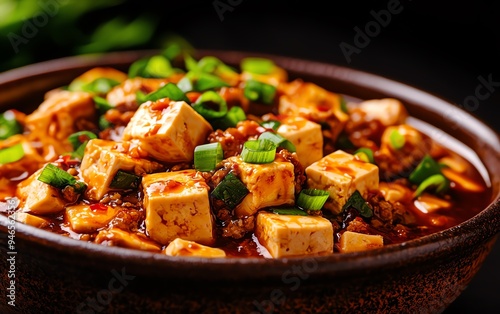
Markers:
point(55, 274)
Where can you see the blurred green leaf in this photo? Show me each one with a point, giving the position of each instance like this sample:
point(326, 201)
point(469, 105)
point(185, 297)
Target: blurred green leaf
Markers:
point(118, 33)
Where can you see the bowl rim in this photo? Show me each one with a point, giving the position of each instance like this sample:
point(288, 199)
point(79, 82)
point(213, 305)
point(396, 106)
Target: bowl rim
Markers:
point(386, 256)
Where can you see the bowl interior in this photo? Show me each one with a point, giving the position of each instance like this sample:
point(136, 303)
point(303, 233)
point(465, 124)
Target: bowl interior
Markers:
point(24, 88)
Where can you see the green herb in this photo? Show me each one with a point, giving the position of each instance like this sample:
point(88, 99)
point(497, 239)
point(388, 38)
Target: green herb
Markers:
point(438, 182)
point(358, 202)
point(125, 181)
point(207, 156)
point(288, 211)
point(259, 92)
point(9, 125)
point(278, 140)
point(230, 190)
point(258, 151)
point(312, 199)
point(169, 90)
point(426, 168)
point(210, 105)
point(58, 178)
point(11, 154)
point(257, 65)
point(397, 139)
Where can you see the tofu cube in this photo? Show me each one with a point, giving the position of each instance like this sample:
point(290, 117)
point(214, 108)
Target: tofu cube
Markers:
point(314, 103)
point(306, 136)
point(342, 174)
point(31, 220)
point(57, 117)
point(289, 235)
point(102, 159)
point(168, 130)
point(39, 198)
point(84, 219)
point(269, 184)
point(177, 206)
point(122, 238)
point(388, 111)
point(180, 247)
point(355, 242)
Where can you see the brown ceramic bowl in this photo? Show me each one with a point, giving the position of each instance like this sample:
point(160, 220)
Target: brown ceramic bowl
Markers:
point(55, 274)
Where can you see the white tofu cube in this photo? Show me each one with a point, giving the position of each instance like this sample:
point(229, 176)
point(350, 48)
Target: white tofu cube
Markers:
point(31, 220)
point(269, 184)
point(122, 238)
point(305, 135)
point(39, 198)
point(314, 103)
point(289, 235)
point(168, 130)
point(84, 219)
point(57, 116)
point(177, 206)
point(388, 111)
point(101, 161)
point(355, 242)
point(180, 247)
point(342, 174)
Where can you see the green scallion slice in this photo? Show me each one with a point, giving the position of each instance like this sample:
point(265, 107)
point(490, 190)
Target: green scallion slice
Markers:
point(259, 92)
point(271, 124)
point(365, 154)
point(257, 65)
point(125, 181)
point(258, 151)
point(312, 199)
point(205, 81)
point(158, 66)
point(210, 105)
point(288, 211)
point(101, 104)
point(136, 69)
point(230, 190)
point(79, 140)
point(278, 140)
point(438, 182)
point(100, 86)
point(357, 201)
point(397, 139)
point(207, 156)
point(169, 90)
point(11, 154)
point(426, 168)
point(343, 105)
point(9, 125)
point(58, 178)
point(190, 63)
point(233, 116)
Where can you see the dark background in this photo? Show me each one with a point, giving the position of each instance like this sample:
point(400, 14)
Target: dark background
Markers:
point(438, 46)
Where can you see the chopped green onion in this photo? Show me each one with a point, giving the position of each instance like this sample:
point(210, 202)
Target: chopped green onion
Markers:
point(258, 151)
point(125, 181)
point(397, 139)
point(11, 154)
point(343, 142)
point(58, 178)
point(210, 105)
point(99, 86)
point(158, 66)
point(230, 190)
point(278, 140)
point(365, 154)
point(288, 211)
point(437, 181)
point(169, 90)
point(426, 168)
point(271, 124)
point(9, 125)
point(357, 201)
point(343, 105)
point(190, 63)
point(259, 92)
point(102, 104)
point(209, 64)
point(136, 69)
point(232, 117)
point(104, 123)
point(207, 156)
point(79, 140)
point(172, 51)
point(200, 82)
point(257, 65)
point(312, 199)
